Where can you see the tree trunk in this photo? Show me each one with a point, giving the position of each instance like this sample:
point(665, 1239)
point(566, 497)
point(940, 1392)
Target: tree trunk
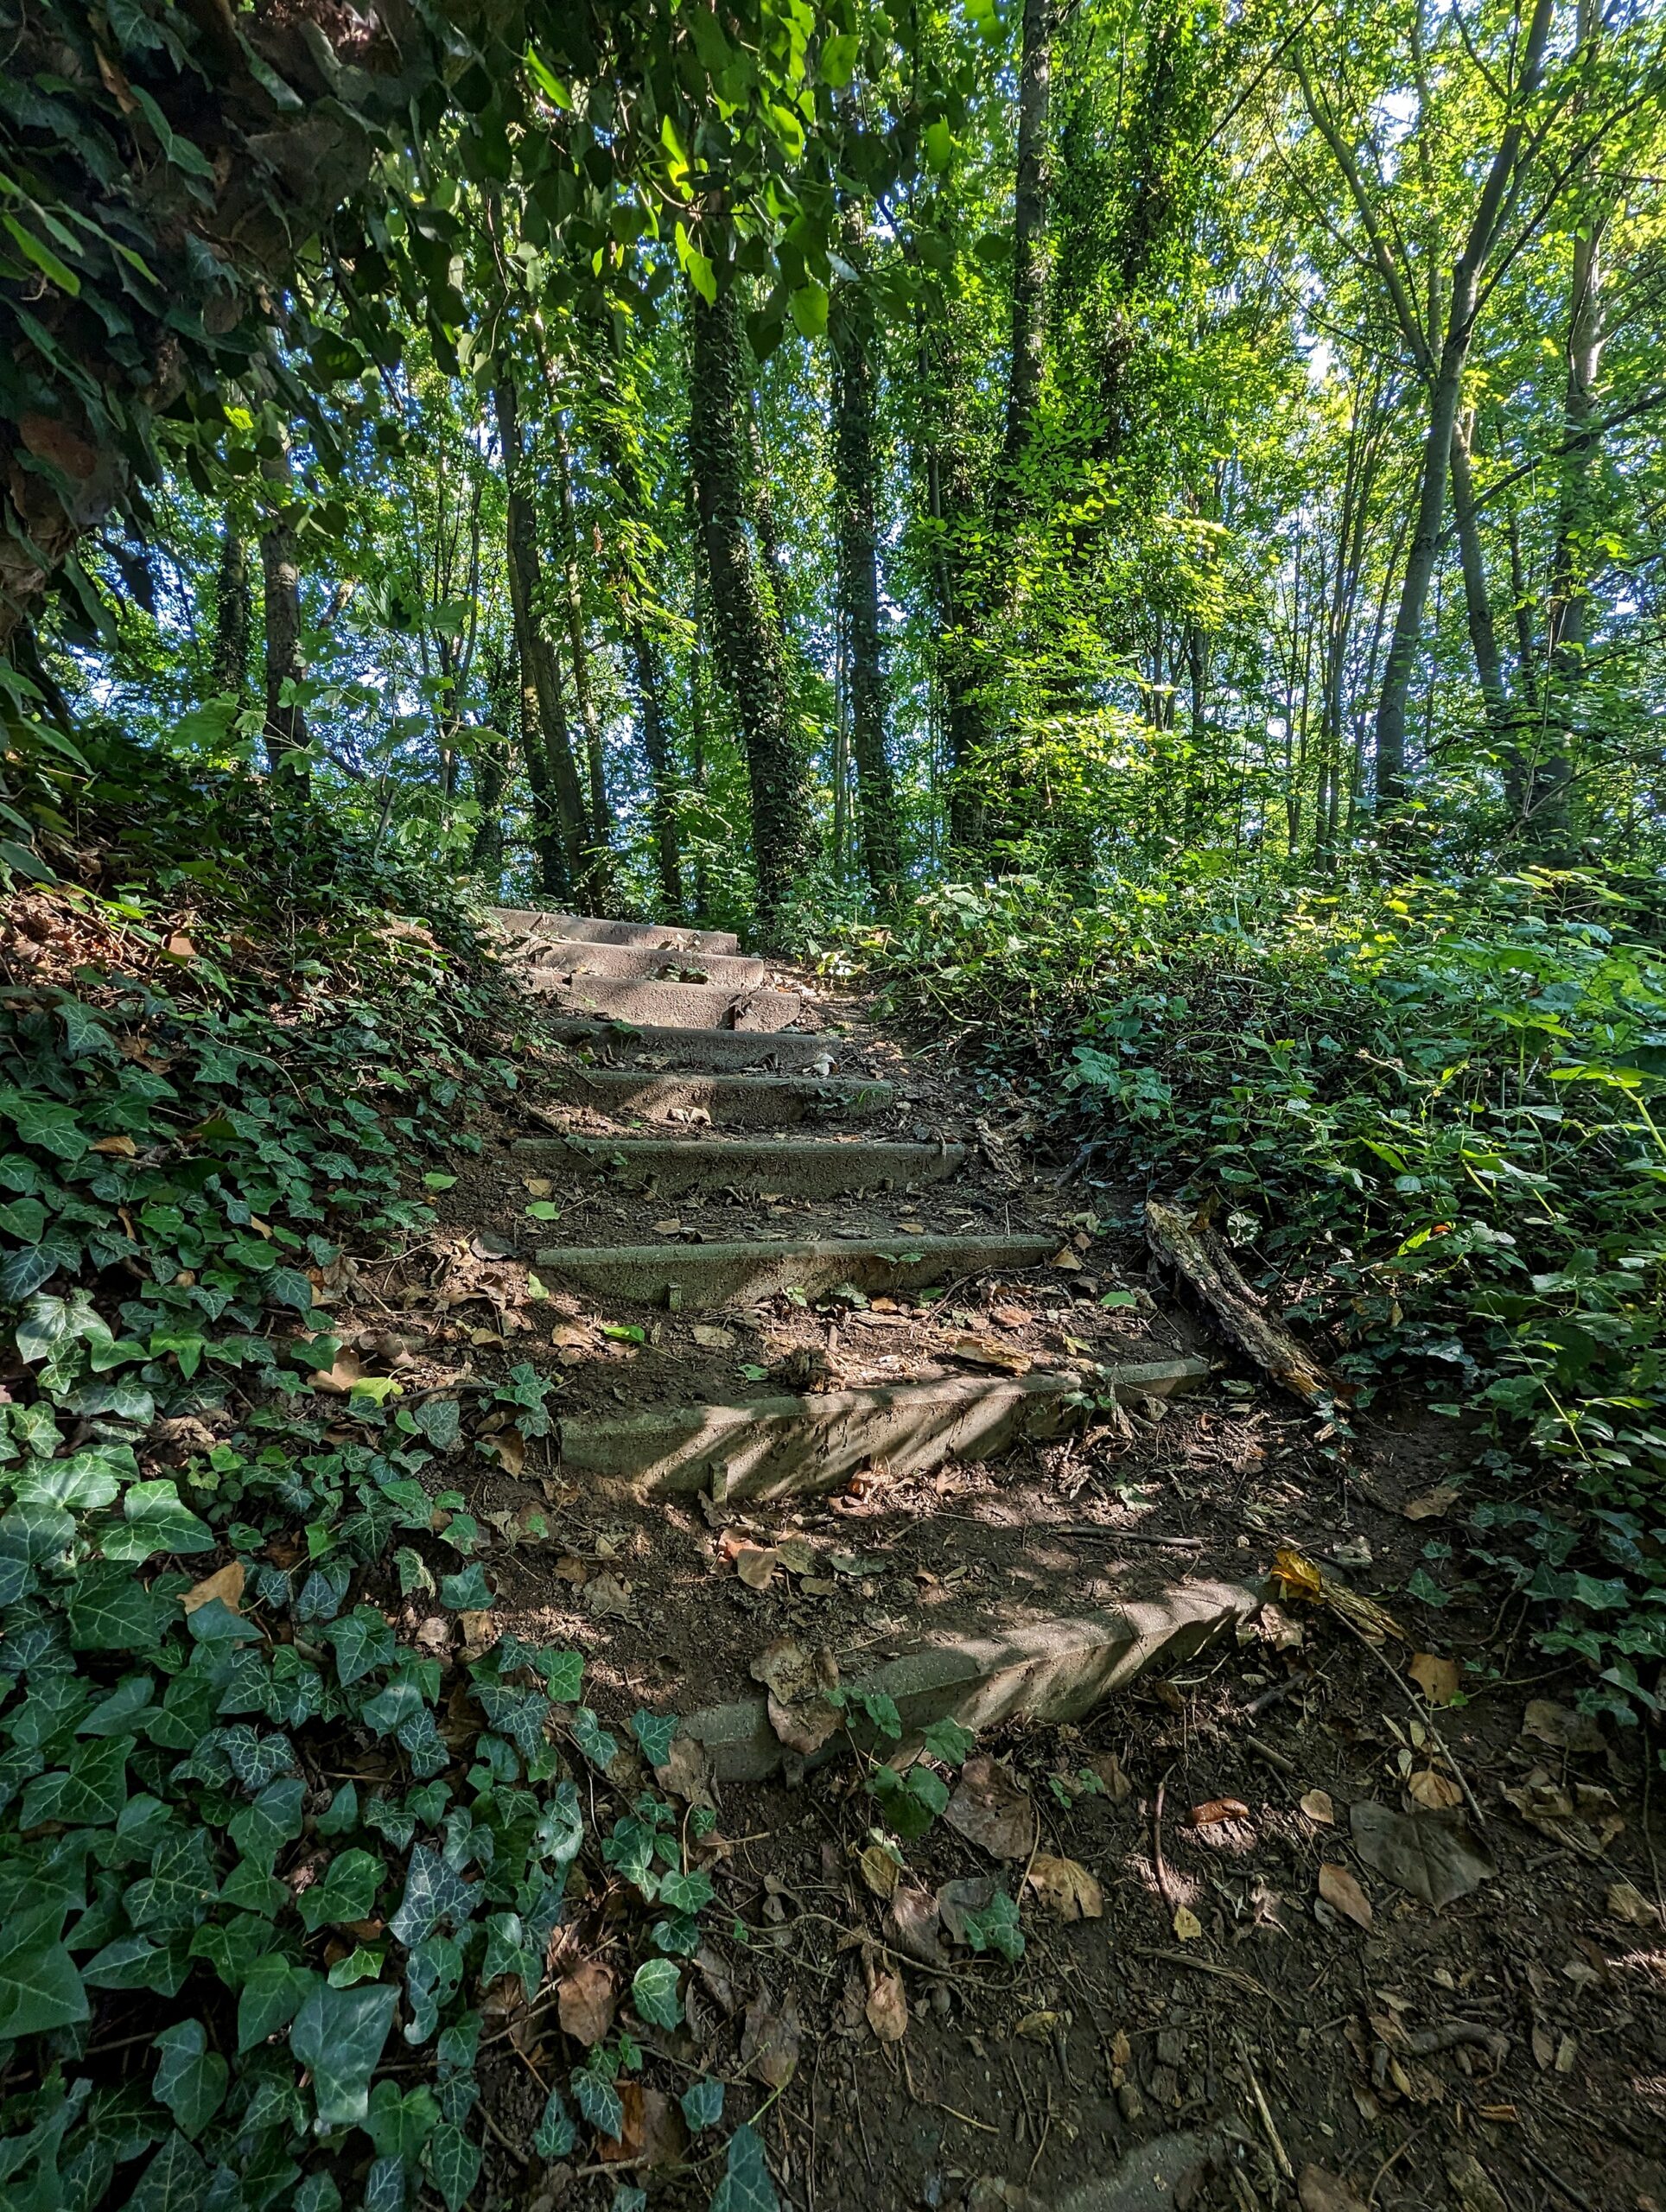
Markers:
point(602, 820)
point(1445, 387)
point(286, 719)
point(1477, 597)
point(855, 476)
point(550, 767)
point(749, 651)
point(656, 743)
point(232, 617)
point(1032, 193)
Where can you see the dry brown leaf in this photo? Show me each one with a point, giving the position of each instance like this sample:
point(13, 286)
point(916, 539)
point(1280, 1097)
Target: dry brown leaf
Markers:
point(1066, 1888)
point(179, 947)
point(1341, 1892)
point(572, 1336)
point(1437, 1678)
point(1432, 1504)
point(687, 1773)
point(1066, 1259)
point(1628, 1903)
point(1109, 1768)
point(1560, 1727)
point(1431, 1857)
point(571, 1568)
point(653, 2133)
point(608, 1597)
point(1318, 1808)
point(1318, 2190)
point(912, 1925)
point(1038, 2027)
point(226, 1583)
point(510, 1446)
point(1217, 1808)
point(480, 1631)
point(879, 1870)
point(796, 1554)
point(117, 1147)
point(586, 2001)
point(755, 1564)
point(989, 1809)
point(887, 2007)
point(957, 1900)
point(800, 1682)
point(1187, 1925)
point(339, 1379)
point(714, 1338)
point(769, 2043)
point(1435, 1792)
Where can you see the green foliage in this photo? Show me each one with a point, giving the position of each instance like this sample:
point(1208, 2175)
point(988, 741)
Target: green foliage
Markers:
point(193, 1134)
point(1427, 1118)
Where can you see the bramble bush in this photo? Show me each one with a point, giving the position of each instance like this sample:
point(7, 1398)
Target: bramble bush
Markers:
point(1428, 1117)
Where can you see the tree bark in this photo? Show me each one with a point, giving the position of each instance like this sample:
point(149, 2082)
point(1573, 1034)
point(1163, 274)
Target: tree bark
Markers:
point(600, 814)
point(232, 617)
point(1477, 597)
point(656, 743)
point(1032, 195)
point(550, 771)
point(749, 650)
point(855, 477)
point(285, 730)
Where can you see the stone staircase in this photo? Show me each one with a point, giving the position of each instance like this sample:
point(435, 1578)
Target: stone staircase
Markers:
point(703, 1084)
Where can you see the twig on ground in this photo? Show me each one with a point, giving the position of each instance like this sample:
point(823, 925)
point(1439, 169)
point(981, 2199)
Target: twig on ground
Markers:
point(1245, 1981)
point(1130, 1537)
point(1281, 2155)
point(1526, 2151)
point(1423, 1713)
point(1158, 1867)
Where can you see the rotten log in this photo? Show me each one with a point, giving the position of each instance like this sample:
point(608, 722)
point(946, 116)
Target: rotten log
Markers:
point(1194, 1249)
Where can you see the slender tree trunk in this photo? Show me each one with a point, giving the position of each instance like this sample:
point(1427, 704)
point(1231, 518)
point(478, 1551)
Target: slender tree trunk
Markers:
point(602, 820)
point(855, 476)
point(286, 719)
point(1477, 597)
point(1032, 195)
point(749, 650)
point(550, 767)
point(233, 611)
point(656, 743)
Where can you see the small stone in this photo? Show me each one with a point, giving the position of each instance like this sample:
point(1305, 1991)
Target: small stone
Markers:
point(1130, 2103)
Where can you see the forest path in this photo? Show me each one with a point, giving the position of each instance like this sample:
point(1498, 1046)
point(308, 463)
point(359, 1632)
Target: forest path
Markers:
point(850, 1397)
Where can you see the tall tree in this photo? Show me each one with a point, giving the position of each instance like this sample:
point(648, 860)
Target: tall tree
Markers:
point(748, 638)
point(231, 615)
point(286, 719)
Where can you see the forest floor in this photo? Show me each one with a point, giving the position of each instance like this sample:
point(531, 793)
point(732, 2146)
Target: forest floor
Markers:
point(1234, 1990)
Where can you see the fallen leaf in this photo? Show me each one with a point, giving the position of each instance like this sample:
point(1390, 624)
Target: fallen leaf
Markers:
point(879, 1870)
point(509, 1447)
point(586, 2000)
point(956, 1900)
point(1432, 1504)
point(339, 1379)
point(1217, 1808)
point(714, 1338)
point(1066, 1259)
point(1187, 1925)
point(1341, 1892)
point(1109, 1768)
point(1437, 1678)
point(608, 1597)
point(480, 1631)
point(117, 1147)
point(226, 1583)
point(755, 1564)
point(1428, 1857)
point(989, 1809)
point(912, 1925)
point(1038, 2027)
point(572, 1336)
point(769, 2042)
point(800, 1682)
point(1628, 1903)
point(887, 2007)
point(653, 2133)
point(687, 1773)
point(571, 1568)
point(1318, 1808)
point(1473, 2188)
point(989, 1351)
point(1320, 2190)
point(1066, 1888)
point(1560, 1727)
point(179, 947)
point(537, 1186)
point(1434, 1791)
point(796, 1554)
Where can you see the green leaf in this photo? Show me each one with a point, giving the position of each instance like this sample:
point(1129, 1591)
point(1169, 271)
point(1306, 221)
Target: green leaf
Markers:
point(176, 2180)
point(40, 1989)
point(156, 1522)
point(654, 1731)
point(593, 1740)
point(624, 1333)
point(703, 2104)
point(556, 2133)
point(190, 2079)
point(948, 1741)
point(656, 1993)
point(465, 1592)
point(44, 1124)
point(339, 2034)
point(364, 1640)
point(347, 1893)
point(88, 1794)
point(399, 2126)
point(440, 1420)
point(543, 1209)
point(43, 256)
point(808, 308)
point(996, 1928)
point(838, 63)
point(432, 1181)
point(453, 2162)
point(600, 2103)
point(746, 2186)
point(272, 1994)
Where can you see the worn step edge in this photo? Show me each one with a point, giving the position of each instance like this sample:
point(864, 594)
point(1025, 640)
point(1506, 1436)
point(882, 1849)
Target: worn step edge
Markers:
point(689, 1276)
point(581, 957)
point(590, 929)
point(703, 1050)
point(678, 1005)
point(801, 1165)
point(732, 1101)
point(1049, 1671)
point(797, 1446)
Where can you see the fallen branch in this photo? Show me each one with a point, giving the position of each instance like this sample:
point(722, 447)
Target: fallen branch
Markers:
point(1196, 1253)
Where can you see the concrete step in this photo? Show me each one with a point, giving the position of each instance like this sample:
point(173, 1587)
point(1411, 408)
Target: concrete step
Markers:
point(798, 1167)
point(686, 1277)
point(536, 921)
point(705, 1050)
point(1049, 1670)
point(795, 1446)
point(732, 1101)
point(679, 1005)
point(574, 957)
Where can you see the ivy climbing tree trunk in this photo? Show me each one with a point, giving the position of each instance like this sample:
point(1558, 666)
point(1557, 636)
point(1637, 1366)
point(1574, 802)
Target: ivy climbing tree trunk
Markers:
point(286, 720)
point(232, 617)
point(559, 831)
point(1031, 199)
point(656, 743)
point(748, 641)
point(600, 814)
point(857, 483)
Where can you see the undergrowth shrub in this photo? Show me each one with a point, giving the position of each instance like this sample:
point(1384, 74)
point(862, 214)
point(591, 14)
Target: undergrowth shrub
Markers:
point(253, 1848)
point(1428, 1118)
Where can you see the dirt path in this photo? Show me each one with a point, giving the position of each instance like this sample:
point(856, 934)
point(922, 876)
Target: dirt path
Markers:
point(852, 1401)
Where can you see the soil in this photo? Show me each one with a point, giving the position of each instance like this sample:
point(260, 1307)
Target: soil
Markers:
point(1229, 2025)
